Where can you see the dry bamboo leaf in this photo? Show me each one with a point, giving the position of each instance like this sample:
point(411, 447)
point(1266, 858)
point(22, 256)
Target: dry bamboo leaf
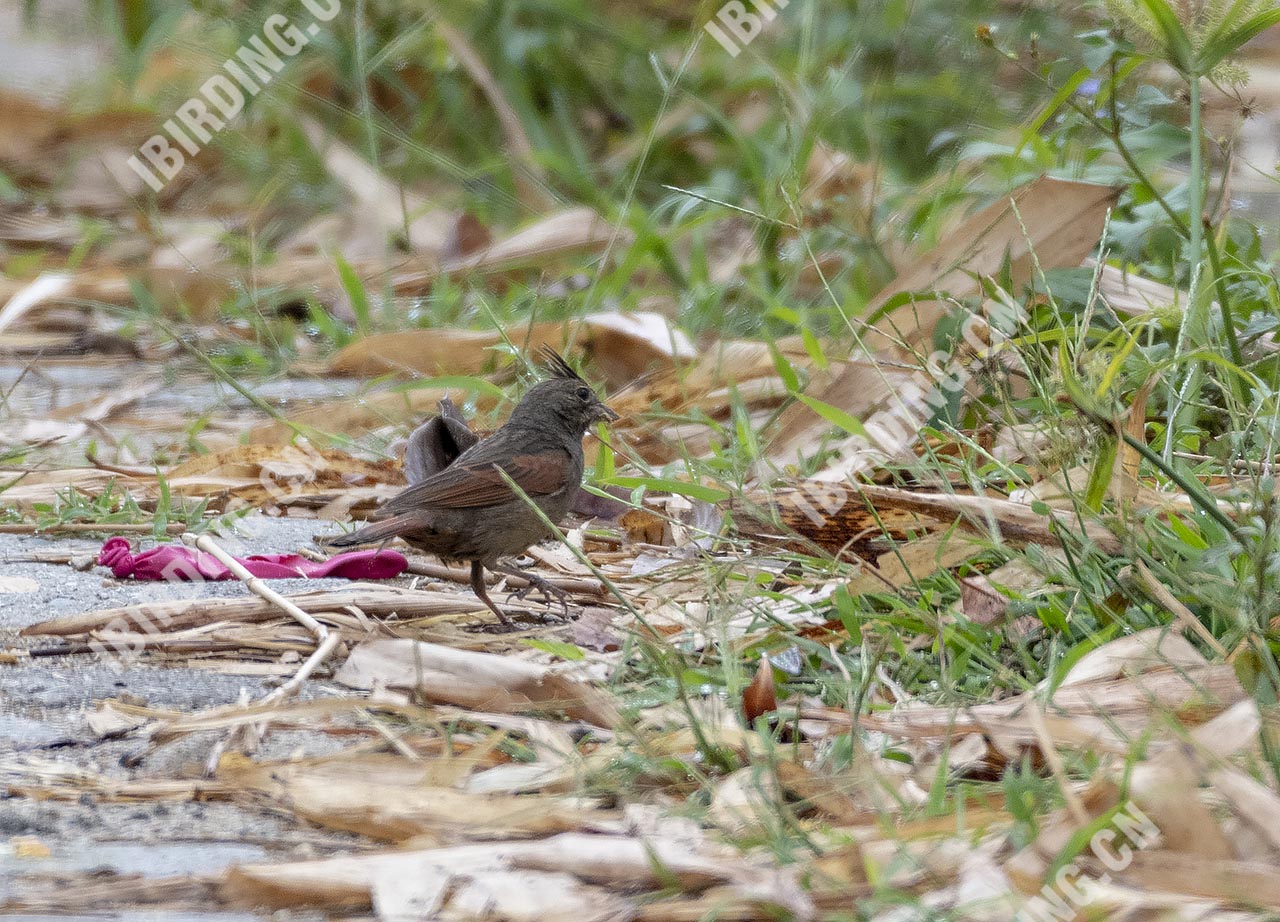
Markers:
point(912, 863)
point(494, 895)
point(1118, 695)
point(27, 126)
point(1012, 521)
point(573, 231)
point(106, 284)
point(1046, 224)
point(1062, 491)
point(860, 388)
point(386, 208)
point(622, 346)
point(915, 560)
point(108, 721)
point(1134, 655)
point(89, 896)
point(1133, 295)
point(282, 712)
point(622, 861)
point(616, 861)
point(1057, 220)
point(1233, 732)
point(45, 779)
point(1167, 791)
point(46, 288)
point(258, 475)
point(984, 892)
point(479, 680)
point(1254, 802)
point(391, 799)
point(1239, 883)
point(835, 797)
point(745, 800)
point(177, 614)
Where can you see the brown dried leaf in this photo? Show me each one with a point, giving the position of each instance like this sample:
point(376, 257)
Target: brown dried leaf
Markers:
point(593, 630)
point(981, 602)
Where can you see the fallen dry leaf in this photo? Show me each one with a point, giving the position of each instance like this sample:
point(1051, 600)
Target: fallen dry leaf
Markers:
point(477, 680)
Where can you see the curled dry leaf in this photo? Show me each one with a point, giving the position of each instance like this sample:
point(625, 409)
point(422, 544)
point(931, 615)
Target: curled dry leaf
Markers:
point(760, 696)
point(643, 526)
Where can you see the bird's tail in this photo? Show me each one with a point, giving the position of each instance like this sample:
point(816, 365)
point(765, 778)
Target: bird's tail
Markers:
point(377, 533)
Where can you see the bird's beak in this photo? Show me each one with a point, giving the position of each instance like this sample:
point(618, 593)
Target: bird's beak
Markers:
point(604, 413)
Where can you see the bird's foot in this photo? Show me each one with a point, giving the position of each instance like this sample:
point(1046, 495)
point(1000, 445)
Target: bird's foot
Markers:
point(550, 592)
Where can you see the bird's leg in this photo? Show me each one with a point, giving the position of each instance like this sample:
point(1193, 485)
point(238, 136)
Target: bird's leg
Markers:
point(477, 586)
point(550, 592)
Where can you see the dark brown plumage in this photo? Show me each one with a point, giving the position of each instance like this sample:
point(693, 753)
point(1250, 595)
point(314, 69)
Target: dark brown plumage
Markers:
point(467, 511)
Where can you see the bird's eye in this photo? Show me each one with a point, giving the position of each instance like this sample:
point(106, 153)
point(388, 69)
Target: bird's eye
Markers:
point(584, 393)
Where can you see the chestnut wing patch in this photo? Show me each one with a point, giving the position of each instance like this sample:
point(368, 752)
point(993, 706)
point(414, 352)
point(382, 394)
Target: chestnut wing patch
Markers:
point(477, 483)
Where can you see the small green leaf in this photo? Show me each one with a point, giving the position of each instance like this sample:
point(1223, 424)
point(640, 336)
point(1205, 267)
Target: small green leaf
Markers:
point(834, 415)
point(1100, 477)
point(813, 346)
point(605, 467)
point(354, 288)
point(691, 490)
point(560, 648)
point(1190, 535)
point(785, 370)
point(461, 382)
point(1063, 94)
